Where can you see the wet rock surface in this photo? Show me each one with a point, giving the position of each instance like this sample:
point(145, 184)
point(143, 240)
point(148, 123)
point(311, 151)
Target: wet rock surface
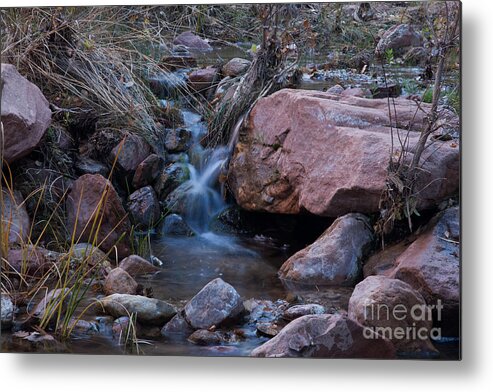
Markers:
point(7, 309)
point(135, 265)
point(129, 153)
point(143, 206)
point(175, 225)
point(336, 257)
point(217, 302)
point(148, 310)
point(298, 311)
point(324, 336)
point(147, 171)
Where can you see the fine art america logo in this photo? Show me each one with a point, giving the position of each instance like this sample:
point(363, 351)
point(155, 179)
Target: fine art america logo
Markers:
point(402, 322)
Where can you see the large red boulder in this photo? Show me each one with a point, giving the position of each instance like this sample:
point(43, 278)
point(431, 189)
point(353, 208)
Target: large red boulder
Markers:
point(25, 114)
point(96, 213)
point(329, 155)
point(399, 39)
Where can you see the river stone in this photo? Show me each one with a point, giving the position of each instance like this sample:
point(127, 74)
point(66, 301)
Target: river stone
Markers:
point(175, 225)
point(307, 151)
point(201, 80)
point(298, 311)
point(431, 265)
point(129, 153)
point(148, 171)
point(86, 165)
point(324, 336)
point(203, 337)
point(136, 265)
point(89, 254)
point(82, 204)
point(119, 281)
point(144, 209)
point(192, 41)
point(25, 114)
point(335, 258)
point(177, 140)
point(48, 307)
point(7, 312)
point(170, 178)
point(373, 302)
point(14, 217)
point(218, 301)
point(235, 67)
point(27, 260)
point(399, 38)
point(148, 310)
point(177, 326)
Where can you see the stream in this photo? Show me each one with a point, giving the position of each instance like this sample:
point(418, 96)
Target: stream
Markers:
point(249, 262)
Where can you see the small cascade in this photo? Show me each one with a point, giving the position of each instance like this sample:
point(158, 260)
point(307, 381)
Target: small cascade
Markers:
point(203, 200)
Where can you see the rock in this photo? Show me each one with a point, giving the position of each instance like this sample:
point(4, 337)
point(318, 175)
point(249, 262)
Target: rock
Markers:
point(386, 306)
point(14, 217)
point(328, 155)
point(170, 178)
point(148, 310)
point(431, 266)
point(335, 258)
point(235, 67)
point(25, 114)
point(178, 140)
point(399, 38)
point(298, 311)
point(324, 336)
point(88, 254)
point(204, 337)
point(7, 309)
point(357, 92)
point(337, 89)
point(172, 63)
point(148, 171)
point(175, 225)
point(27, 260)
point(177, 327)
point(266, 316)
point(86, 165)
point(136, 265)
point(201, 80)
point(129, 153)
point(119, 281)
point(143, 206)
point(85, 213)
point(417, 56)
point(122, 328)
point(391, 90)
point(82, 327)
point(192, 41)
point(217, 302)
point(383, 262)
point(48, 307)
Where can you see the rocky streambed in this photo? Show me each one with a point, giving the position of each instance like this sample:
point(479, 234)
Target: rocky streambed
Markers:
point(287, 265)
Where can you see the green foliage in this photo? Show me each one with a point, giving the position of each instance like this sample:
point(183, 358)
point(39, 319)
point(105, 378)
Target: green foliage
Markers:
point(389, 56)
point(411, 86)
point(452, 99)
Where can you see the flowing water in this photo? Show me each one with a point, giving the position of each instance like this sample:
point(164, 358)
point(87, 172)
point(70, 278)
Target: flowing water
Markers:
point(248, 262)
